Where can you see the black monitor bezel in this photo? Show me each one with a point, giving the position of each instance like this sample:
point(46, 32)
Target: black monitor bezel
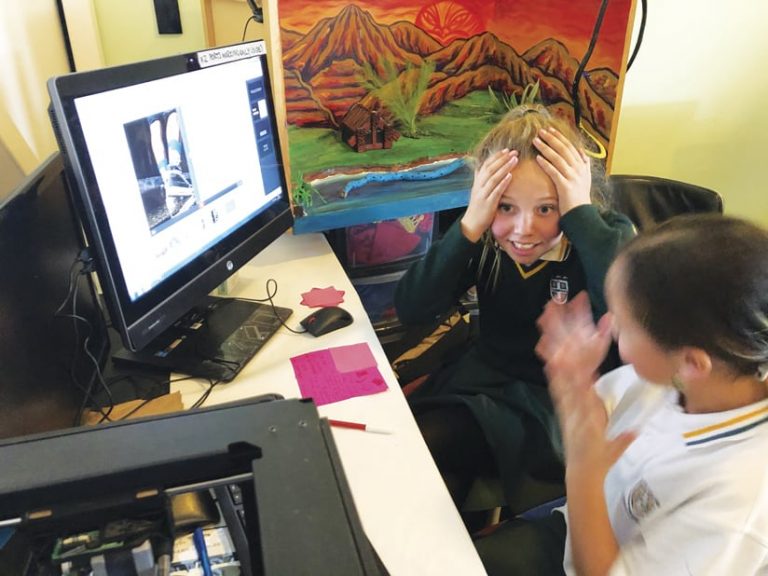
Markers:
point(53, 337)
point(142, 320)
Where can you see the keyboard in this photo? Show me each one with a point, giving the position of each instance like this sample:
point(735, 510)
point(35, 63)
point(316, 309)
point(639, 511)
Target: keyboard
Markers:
point(248, 338)
point(214, 342)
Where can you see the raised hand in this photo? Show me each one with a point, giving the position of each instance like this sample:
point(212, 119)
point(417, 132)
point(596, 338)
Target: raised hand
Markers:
point(568, 167)
point(558, 322)
point(573, 348)
point(491, 179)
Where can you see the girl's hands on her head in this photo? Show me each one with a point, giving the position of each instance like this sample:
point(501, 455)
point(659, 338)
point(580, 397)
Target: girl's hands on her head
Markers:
point(567, 166)
point(491, 179)
point(573, 348)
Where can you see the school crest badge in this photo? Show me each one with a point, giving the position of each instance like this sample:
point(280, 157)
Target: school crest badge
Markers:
point(558, 289)
point(641, 501)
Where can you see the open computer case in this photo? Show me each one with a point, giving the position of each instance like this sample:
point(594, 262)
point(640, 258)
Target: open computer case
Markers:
point(299, 511)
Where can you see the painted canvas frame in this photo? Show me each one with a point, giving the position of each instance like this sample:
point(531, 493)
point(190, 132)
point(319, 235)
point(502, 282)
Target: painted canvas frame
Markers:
point(385, 98)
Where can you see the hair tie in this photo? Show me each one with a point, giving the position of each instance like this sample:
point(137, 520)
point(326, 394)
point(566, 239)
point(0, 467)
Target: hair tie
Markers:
point(762, 372)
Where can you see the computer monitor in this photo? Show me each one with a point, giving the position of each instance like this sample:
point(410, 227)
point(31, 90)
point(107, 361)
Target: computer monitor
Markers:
point(179, 182)
point(53, 338)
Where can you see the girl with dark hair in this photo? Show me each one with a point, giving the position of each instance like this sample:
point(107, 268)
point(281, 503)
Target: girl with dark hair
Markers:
point(665, 457)
point(532, 233)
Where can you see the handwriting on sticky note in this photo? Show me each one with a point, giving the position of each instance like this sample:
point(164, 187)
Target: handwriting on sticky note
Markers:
point(335, 374)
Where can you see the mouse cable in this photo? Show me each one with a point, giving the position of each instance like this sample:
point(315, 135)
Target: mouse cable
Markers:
point(269, 298)
point(87, 391)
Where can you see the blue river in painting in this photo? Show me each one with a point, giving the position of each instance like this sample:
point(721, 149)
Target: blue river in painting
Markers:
point(430, 172)
point(391, 186)
point(348, 199)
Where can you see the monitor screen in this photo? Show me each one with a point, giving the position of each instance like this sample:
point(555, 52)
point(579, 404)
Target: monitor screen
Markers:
point(179, 175)
point(53, 338)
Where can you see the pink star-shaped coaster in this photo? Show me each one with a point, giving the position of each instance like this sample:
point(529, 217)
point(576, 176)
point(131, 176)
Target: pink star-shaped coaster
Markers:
point(322, 297)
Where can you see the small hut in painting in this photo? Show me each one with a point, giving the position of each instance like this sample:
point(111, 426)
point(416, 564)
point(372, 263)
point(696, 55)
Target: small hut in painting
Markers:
point(363, 129)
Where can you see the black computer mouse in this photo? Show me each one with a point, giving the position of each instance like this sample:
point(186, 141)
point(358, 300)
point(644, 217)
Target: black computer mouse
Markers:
point(326, 320)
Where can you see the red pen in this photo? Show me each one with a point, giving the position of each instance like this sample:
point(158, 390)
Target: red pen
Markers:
point(357, 426)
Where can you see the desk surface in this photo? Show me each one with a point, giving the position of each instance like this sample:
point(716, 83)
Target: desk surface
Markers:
point(403, 504)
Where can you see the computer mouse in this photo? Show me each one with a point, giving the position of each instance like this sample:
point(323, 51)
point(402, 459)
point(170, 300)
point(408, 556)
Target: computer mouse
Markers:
point(326, 320)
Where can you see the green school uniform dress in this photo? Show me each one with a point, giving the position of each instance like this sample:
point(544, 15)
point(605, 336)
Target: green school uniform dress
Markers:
point(499, 378)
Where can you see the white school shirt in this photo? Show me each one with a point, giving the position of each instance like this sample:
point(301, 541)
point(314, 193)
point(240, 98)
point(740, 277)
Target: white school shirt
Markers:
point(690, 494)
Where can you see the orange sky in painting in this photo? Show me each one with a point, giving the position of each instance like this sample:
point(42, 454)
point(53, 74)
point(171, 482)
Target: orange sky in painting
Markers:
point(530, 20)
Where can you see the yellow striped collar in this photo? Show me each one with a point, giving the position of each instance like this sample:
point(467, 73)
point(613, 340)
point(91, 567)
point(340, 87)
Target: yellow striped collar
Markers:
point(728, 428)
point(557, 253)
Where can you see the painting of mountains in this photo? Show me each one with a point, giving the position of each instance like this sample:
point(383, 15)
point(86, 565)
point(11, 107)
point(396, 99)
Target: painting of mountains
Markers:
point(384, 99)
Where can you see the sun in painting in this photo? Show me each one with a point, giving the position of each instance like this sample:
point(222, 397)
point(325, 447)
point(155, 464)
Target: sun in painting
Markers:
point(447, 20)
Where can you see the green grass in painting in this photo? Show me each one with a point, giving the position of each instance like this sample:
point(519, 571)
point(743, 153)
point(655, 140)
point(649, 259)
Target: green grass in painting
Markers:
point(455, 129)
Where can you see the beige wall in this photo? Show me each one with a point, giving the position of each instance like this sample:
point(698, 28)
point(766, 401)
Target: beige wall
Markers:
point(10, 173)
point(694, 104)
point(128, 30)
point(31, 51)
point(228, 22)
point(84, 34)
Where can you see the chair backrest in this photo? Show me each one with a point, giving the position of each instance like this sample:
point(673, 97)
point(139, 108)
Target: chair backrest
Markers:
point(648, 200)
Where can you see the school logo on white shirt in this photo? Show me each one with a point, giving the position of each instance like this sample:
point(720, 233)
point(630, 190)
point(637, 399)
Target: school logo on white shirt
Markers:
point(558, 289)
point(641, 501)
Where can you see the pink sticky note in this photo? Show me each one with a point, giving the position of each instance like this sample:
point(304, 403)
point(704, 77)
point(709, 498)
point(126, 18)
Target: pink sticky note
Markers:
point(320, 297)
point(319, 377)
point(352, 357)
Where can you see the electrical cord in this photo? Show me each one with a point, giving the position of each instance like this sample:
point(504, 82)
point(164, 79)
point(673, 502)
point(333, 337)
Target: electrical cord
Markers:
point(271, 290)
point(245, 28)
point(211, 385)
point(72, 289)
point(583, 64)
point(146, 400)
point(640, 32)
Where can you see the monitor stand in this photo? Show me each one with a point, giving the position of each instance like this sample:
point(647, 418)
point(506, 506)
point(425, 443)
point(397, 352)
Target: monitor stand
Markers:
point(213, 341)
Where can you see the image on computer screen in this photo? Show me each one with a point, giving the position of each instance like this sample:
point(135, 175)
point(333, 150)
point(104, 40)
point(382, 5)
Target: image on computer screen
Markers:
point(162, 171)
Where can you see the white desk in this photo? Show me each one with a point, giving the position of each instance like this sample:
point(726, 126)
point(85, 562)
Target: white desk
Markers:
point(401, 499)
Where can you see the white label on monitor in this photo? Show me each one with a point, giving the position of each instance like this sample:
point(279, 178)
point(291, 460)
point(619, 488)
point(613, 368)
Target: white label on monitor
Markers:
point(221, 55)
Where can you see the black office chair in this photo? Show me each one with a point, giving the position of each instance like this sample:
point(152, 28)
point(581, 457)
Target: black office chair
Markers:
point(648, 200)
